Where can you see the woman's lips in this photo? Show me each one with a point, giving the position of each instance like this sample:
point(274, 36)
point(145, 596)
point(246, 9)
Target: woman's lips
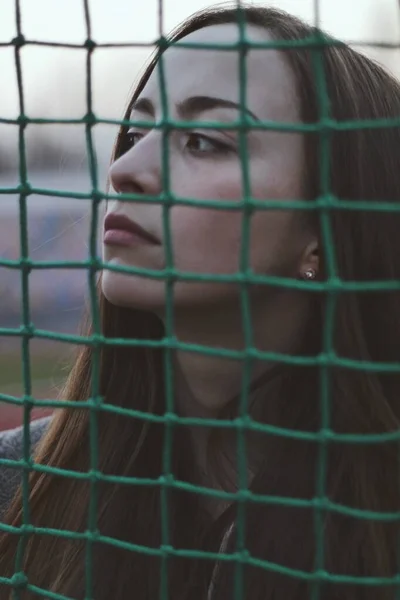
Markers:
point(119, 230)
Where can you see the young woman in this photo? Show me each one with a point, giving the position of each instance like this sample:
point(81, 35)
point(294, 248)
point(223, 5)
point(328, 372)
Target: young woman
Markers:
point(328, 525)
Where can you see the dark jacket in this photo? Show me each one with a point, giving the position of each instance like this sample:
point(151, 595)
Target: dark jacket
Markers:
point(12, 448)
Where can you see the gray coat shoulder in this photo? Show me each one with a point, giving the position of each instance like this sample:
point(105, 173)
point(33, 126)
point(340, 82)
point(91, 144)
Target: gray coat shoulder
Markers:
point(12, 448)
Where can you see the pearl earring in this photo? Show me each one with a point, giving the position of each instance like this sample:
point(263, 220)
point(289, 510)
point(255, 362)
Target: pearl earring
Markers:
point(309, 274)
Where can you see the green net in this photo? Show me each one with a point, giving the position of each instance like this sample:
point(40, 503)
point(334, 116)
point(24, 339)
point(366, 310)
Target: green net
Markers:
point(326, 359)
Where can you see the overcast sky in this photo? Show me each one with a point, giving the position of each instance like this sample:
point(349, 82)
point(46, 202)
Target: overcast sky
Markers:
point(54, 78)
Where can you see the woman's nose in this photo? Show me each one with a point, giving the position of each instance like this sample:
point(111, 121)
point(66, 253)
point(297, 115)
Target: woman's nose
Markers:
point(138, 171)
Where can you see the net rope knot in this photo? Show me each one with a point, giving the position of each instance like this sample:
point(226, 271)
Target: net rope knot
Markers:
point(22, 120)
point(19, 581)
point(18, 41)
point(90, 119)
point(166, 550)
point(171, 418)
point(163, 43)
point(28, 330)
point(326, 125)
point(93, 535)
point(166, 480)
point(93, 476)
point(24, 189)
point(89, 45)
point(97, 197)
point(28, 402)
point(243, 556)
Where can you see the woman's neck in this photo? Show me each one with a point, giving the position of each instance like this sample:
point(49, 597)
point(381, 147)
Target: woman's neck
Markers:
point(213, 393)
point(207, 385)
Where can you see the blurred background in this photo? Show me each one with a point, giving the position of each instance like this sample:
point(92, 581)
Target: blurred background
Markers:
point(54, 87)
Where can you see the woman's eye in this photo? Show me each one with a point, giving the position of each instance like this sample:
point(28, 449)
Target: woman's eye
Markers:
point(132, 138)
point(195, 143)
point(201, 144)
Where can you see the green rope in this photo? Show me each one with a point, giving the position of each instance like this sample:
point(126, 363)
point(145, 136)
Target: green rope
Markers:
point(326, 360)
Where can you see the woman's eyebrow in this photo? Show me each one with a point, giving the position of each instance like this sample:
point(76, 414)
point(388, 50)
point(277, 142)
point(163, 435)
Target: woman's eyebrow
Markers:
point(191, 107)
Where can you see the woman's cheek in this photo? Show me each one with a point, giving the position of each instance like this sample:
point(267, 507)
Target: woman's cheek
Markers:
point(206, 241)
point(207, 179)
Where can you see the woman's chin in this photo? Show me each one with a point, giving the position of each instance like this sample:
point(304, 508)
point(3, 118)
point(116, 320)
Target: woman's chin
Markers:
point(132, 291)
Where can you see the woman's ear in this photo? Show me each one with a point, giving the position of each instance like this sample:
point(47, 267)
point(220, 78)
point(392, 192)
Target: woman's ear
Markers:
point(310, 260)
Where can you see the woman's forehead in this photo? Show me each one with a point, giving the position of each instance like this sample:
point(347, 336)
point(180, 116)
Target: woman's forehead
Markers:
point(269, 81)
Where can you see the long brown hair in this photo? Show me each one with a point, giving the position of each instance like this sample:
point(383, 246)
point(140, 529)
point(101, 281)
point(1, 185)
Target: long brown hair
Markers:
point(364, 167)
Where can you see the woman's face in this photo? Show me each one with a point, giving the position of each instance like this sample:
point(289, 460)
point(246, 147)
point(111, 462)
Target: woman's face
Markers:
point(205, 164)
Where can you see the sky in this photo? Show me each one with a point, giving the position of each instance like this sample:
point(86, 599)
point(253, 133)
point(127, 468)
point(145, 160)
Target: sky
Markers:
point(54, 79)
